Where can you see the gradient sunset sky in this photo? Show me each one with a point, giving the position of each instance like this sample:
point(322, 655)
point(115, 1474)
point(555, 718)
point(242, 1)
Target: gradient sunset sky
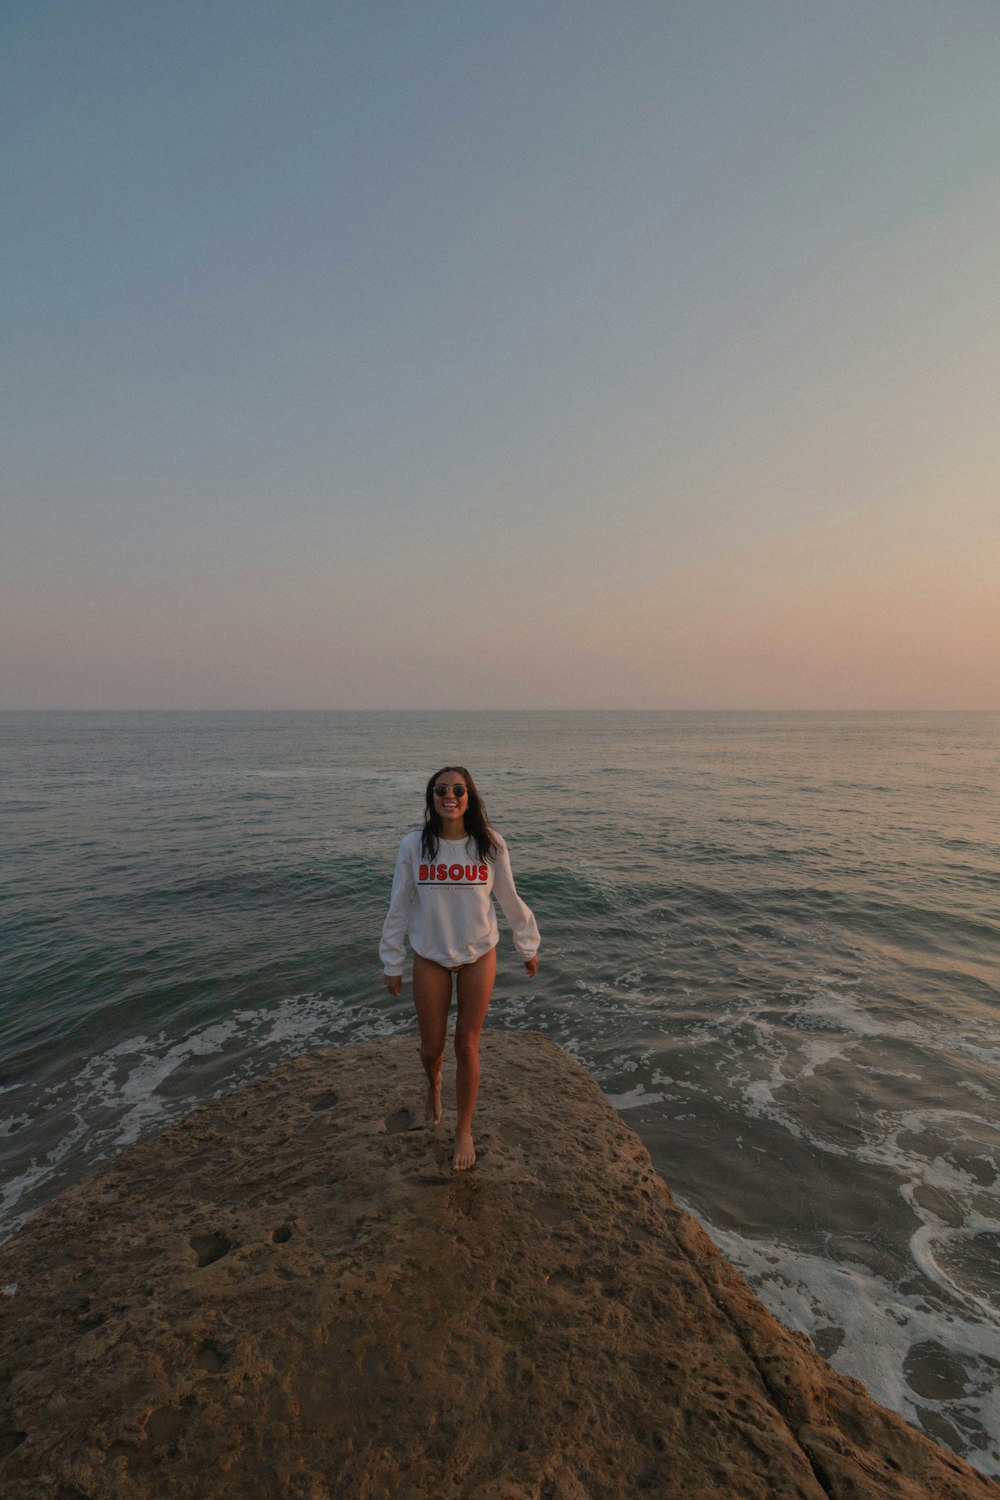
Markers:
point(500, 354)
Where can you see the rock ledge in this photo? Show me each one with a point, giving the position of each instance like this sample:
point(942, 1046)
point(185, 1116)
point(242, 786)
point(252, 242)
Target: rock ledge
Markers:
point(291, 1295)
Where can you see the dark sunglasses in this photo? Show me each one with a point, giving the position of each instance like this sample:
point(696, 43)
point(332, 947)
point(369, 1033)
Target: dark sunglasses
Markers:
point(441, 790)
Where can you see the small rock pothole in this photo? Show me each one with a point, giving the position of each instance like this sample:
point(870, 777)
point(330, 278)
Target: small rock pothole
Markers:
point(210, 1247)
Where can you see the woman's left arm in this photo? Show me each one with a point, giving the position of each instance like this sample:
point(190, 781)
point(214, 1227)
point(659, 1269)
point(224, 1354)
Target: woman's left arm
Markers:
point(521, 917)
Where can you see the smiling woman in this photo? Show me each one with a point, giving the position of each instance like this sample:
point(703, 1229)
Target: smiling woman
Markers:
point(444, 906)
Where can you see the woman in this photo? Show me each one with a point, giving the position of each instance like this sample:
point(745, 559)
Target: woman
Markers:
point(445, 875)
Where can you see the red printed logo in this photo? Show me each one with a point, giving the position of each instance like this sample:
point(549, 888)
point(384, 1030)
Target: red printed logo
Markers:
point(453, 874)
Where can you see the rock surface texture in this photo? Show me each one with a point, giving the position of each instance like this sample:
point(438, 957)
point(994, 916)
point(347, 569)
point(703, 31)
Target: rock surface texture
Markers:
point(292, 1295)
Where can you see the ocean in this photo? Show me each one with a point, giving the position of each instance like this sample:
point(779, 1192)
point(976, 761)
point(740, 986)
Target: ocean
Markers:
point(773, 938)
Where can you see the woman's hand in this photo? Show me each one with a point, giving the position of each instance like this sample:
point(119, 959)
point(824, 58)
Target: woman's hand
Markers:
point(531, 966)
point(393, 983)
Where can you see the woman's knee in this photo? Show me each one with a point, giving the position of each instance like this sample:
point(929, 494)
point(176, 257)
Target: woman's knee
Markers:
point(431, 1055)
point(466, 1045)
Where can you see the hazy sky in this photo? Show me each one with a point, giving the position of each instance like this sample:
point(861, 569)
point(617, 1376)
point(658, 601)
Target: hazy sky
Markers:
point(514, 353)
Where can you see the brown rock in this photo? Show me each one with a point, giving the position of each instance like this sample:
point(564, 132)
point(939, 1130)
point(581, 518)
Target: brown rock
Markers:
point(292, 1295)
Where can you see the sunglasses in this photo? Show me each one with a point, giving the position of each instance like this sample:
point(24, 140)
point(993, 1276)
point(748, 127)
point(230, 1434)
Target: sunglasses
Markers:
point(441, 790)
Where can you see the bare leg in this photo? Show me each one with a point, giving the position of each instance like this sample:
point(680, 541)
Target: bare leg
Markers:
point(432, 997)
point(475, 986)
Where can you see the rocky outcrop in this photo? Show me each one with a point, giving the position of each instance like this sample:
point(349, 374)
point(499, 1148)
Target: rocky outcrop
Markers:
point(292, 1295)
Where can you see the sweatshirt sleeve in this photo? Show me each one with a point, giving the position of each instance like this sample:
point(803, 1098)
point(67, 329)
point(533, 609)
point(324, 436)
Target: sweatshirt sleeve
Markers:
point(391, 950)
point(521, 917)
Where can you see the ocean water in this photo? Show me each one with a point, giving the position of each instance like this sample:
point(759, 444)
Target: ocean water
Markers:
point(773, 938)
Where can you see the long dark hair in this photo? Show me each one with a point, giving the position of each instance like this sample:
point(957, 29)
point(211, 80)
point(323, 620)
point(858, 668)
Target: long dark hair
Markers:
point(477, 822)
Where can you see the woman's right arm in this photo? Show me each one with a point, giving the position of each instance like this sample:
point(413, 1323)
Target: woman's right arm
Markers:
point(391, 949)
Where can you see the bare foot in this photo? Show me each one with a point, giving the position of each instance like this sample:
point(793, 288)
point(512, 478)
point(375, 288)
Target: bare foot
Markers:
point(465, 1153)
point(432, 1109)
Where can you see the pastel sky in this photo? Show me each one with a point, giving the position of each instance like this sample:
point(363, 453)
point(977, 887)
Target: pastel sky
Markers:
point(500, 353)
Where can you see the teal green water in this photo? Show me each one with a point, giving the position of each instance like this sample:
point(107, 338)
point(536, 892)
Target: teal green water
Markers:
point(773, 939)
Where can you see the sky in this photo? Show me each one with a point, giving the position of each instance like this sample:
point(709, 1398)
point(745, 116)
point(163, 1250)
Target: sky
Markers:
point(500, 353)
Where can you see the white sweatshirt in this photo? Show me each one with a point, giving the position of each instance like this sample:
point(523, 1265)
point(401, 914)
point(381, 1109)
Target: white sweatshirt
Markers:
point(445, 908)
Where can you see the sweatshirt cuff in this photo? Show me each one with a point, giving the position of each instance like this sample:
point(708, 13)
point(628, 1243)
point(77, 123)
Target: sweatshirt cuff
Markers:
point(393, 971)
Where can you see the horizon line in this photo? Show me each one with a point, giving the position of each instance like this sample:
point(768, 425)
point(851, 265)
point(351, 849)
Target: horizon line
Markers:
point(588, 709)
